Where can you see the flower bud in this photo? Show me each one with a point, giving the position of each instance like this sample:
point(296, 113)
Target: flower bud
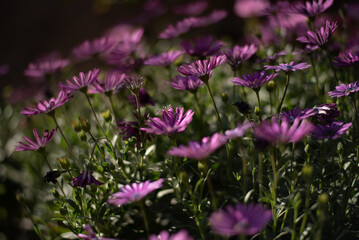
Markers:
point(258, 112)
point(64, 162)
point(270, 86)
point(55, 193)
point(85, 124)
point(307, 173)
point(202, 167)
point(323, 199)
point(76, 125)
point(63, 211)
point(83, 136)
point(242, 107)
point(224, 97)
point(183, 177)
point(307, 149)
point(107, 116)
point(340, 148)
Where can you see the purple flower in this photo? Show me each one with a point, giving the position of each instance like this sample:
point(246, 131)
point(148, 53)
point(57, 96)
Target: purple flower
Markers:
point(114, 81)
point(173, 31)
point(84, 179)
point(30, 145)
point(344, 89)
point(164, 235)
point(132, 129)
point(320, 36)
point(47, 106)
point(202, 68)
point(240, 220)
point(4, 69)
point(97, 47)
point(347, 60)
point(192, 8)
point(133, 82)
point(250, 8)
point(255, 80)
point(164, 59)
point(190, 83)
point(238, 131)
point(214, 17)
point(239, 55)
point(82, 82)
point(288, 67)
point(134, 192)
point(202, 47)
point(172, 122)
point(291, 115)
point(92, 235)
point(327, 112)
point(144, 99)
point(283, 133)
point(331, 130)
point(273, 57)
point(199, 150)
point(307, 49)
point(310, 9)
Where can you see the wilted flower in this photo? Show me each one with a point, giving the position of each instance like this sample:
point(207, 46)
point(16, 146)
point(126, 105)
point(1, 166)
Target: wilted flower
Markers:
point(92, 235)
point(331, 130)
point(134, 192)
point(96, 47)
point(114, 81)
point(202, 47)
point(291, 115)
point(238, 55)
point(255, 80)
point(320, 36)
point(240, 220)
point(164, 235)
point(288, 67)
point(190, 83)
point(82, 82)
point(283, 133)
point(164, 59)
point(199, 150)
point(310, 9)
point(84, 179)
point(173, 121)
point(327, 112)
point(346, 60)
point(47, 106)
point(344, 89)
point(238, 131)
point(143, 97)
point(40, 143)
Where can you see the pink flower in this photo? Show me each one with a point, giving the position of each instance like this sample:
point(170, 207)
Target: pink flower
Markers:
point(40, 143)
point(82, 82)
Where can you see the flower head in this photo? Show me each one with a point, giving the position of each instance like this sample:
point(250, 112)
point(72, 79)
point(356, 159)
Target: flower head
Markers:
point(84, 179)
point(81, 82)
point(132, 129)
point(288, 67)
point(202, 68)
point(346, 60)
point(321, 36)
point(89, 49)
point(173, 121)
point(133, 83)
point(173, 31)
point(202, 47)
point(310, 9)
point(192, 8)
point(47, 106)
point(114, 81)
point(240, 220)
point(189, 83)
point(327, 112)
point(344, 89)
point(39, 143)
point(164, 59)
point(291, 115)
point(91, 234)
point(255, 80)
point(199, 150)
point(239, 131)
point(282, 133)
point(238, 55)
point(331, 130)
point(134, 192)
point(164, 235)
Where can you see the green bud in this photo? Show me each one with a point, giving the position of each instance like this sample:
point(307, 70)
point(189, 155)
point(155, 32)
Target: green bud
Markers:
point(257, 112)
point(55, 193)
point(307, 173)
point(224, 97)
point(83, 136)
point(307, 149)
point(64, 162)
point(202, 167)
point(340, 148)
point(183, 177)
point(63, 211)
point(270, 86)
point(85, 125)
point(107, 116)
point(76, 125)
point(323, 199)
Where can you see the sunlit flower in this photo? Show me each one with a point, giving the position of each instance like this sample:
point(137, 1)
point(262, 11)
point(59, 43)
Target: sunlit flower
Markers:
point(39, 143)
point(84, 179)
point(114, 81)
point(238, 55)
point(143, 97)
point(240, 220)
point(321, 36)
point(331, 130)
point(344, 89)
point(189, 83)
point(327, 112)
point(134, 192)
point(164, 235)
point(81, 82)
point(346, 60)
point(164, 59)
point(255, 80)
point(288, 67)
point(202, 47)
point(310, 9)
point(291, 115)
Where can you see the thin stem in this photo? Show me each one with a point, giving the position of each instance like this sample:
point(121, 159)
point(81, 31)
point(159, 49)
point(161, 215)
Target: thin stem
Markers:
point(244, 166)
point(138, 108)
point(198, 105)
point(332, 66)
point(144, 218)
point(113, 107)
point(292, 169)
point(210, 186)
point(94, 113)
point(315, 74)
point(285, 92)
point(307, 202)
point(274, 190)
point(215, 106)
point(258, 99)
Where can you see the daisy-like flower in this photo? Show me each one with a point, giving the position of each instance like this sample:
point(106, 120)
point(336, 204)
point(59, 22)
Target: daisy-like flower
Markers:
point(191, 9)
point(164, 235)
point(255, 80)
point(199, 150)
point(291, 115)
point(173, 121)
point(321, 36)
point(239, 131)
point(143, 97)
point(84, 179)
point(202, 68)
point(344, 89)
point(92, 235)
point(164, 59)
point(240, 220)
point(39, 143)
point(202, 47)
point(189, 83)
point(214, 17)
point(283, 133)
point(327, 112)
point(310, 9)
point(89, 49)
point(134, 192)
point(173, 31)
point(133, 83)
point(114, 81)
point(346, 60)
point(288, 67)
point(331, 130)
point(82, 82)
point(47, 106)
point(238, 55)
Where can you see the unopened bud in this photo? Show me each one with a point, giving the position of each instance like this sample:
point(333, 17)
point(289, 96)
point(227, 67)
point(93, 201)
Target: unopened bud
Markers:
point(224, 97)
point(184, 177)
point(307, 149)
point(85, 124)
point(107, 116)
point(55, 193)
point(76, 125)
point(307, 173)
point(257, 112)
point(340, 148)
point(202, 167)
point(64, 162)
point(63, 211)
point(323, 199)
point(270, 86)
point(83, 136)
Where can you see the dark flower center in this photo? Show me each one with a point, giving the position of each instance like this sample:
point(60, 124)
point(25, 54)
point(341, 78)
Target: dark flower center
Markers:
point(348, 90)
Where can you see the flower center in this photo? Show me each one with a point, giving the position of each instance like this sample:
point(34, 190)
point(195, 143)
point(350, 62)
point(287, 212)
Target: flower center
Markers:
point(348, 90)
point(240, 227)
point(288, 67)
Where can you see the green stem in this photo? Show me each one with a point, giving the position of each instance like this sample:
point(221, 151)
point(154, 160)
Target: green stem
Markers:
point(144, 218)
point(244, 166)
point(113, 108)
point(331, 65)
point(285, 92)
point(315, 75)
point(274, 190)
point(307, 202)
point(215, 106)
point(94, 113)
point(258, 99)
